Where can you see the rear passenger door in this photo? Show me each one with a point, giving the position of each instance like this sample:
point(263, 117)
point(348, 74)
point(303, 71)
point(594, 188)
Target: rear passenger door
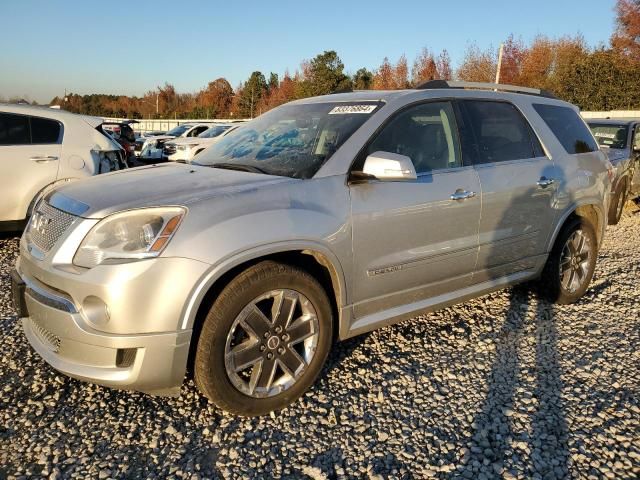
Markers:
point(518, 185)
point(411, 240)
point(30, 149)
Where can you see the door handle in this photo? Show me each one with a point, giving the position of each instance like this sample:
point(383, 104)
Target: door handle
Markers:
point(461, 194)
point(544, 182)
point(44, 158)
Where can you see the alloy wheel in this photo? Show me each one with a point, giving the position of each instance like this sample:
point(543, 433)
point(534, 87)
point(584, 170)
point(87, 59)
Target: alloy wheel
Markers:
point(574, 261)
point(271, 343)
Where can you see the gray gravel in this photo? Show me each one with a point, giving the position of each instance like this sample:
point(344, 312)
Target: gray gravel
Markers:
point(501, 387)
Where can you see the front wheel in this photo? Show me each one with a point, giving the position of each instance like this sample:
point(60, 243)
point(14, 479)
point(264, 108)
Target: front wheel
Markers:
point(571, 263)
point(264, 340)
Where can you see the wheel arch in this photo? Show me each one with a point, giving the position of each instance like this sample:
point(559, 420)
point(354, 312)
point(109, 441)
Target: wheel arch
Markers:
point(317, 260)
point(588, 211)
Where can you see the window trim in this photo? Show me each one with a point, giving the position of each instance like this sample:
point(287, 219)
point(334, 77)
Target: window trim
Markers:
point(391, 117)
point(533, 136)
point(29, 117)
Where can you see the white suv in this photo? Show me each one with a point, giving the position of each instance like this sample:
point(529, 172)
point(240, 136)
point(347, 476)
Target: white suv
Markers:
point(183, 150)
point(42, 147)
point(152, 148)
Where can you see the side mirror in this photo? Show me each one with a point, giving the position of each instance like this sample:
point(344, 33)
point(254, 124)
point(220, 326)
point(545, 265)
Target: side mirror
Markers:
point(636, 144)
point(387, 166)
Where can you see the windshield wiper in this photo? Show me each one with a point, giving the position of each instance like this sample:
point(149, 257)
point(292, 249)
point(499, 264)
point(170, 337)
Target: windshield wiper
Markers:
point(240, 167)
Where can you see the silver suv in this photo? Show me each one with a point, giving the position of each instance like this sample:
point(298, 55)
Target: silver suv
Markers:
point(322, 219)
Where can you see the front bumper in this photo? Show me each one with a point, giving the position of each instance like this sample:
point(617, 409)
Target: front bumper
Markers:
point(57, 321)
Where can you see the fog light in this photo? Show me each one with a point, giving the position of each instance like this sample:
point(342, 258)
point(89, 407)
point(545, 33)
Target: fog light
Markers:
point(96, 311)
point(125, 357)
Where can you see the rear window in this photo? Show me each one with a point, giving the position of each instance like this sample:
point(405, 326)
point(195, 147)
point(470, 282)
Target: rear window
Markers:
point(612, 136)
point(568, 127)
point(44, 130)
point(14, 129)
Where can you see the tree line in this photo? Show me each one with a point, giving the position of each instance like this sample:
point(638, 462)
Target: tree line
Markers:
point(605, 77)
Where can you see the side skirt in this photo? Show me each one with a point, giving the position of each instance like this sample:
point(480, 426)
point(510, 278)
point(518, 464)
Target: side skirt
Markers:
point(403, 312)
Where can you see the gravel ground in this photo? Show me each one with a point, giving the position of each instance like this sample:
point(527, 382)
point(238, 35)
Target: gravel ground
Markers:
point(501, 387)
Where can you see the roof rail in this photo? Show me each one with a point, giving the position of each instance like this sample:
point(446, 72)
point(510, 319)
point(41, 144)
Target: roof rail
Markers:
point(432, 84)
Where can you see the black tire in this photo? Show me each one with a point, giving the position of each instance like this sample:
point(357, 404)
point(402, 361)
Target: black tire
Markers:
point(551, 285)
point(618, 202)
point(210, 372)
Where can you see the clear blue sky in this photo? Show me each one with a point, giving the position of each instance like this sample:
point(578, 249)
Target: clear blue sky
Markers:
point(129, 47)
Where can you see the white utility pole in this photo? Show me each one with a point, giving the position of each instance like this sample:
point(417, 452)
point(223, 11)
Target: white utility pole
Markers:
point(499, 63)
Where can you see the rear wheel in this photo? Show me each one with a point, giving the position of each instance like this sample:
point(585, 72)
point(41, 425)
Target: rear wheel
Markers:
point(264, 340)
point(618, 202)
point(570, 265)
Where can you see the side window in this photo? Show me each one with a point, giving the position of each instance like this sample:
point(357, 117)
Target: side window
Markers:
point(196, 131)
point(44, 130)
point(426, 133)
point(568, 128)
point(14, 129)
point(499, 132)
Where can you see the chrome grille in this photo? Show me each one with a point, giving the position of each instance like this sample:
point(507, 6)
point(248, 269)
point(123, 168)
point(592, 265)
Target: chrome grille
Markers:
point(47, 225)
point(50, 339)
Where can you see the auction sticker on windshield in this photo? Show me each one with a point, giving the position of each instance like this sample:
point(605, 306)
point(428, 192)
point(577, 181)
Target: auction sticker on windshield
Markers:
point(346, 109)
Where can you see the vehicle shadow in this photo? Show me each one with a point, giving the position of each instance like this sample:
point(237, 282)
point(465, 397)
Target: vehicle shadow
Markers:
point(524, 391)
point(521, 426)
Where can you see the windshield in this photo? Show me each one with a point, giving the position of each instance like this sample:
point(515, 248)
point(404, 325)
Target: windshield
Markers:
point(291, 140)
point(612, 136)
point(179, 130)
point(214, 131)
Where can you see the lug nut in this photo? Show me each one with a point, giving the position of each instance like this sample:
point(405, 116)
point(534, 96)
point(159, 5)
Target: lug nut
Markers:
point(267, 334)
point(278, 329)
point(269, 356)
point(285, 337)
point(262, 348)
point(281, 350)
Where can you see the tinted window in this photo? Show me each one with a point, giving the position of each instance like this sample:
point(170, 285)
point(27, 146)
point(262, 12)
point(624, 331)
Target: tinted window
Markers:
point(426, 133)
point(14, 129)
point(177, 131)
point(214, 131)
point(44, 130)
point(499, 132)
point(568, 127)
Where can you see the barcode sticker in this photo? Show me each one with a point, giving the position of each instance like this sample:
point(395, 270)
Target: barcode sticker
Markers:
point(346, 109)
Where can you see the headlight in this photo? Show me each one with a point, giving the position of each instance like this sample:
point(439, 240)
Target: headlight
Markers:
point(129, 235)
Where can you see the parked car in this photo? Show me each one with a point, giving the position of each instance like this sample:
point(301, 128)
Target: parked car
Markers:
point(152, 148)
point(324, 218)
point(41, 148)
point(184, 149)
point(124, 135)
point(141, 137)
point(620, 140)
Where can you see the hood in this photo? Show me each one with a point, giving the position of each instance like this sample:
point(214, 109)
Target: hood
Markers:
point(158, 137)
point(195, 140)
point(187, 140)
point(615, 155)
point(160, 185)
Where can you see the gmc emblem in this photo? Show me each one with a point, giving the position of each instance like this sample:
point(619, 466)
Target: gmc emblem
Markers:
point(40, 223)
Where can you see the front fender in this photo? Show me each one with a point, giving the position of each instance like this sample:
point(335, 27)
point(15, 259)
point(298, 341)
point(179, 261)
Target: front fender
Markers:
point(227, 264)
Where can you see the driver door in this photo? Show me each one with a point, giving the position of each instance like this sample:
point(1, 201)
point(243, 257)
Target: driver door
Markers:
point(411, 240)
